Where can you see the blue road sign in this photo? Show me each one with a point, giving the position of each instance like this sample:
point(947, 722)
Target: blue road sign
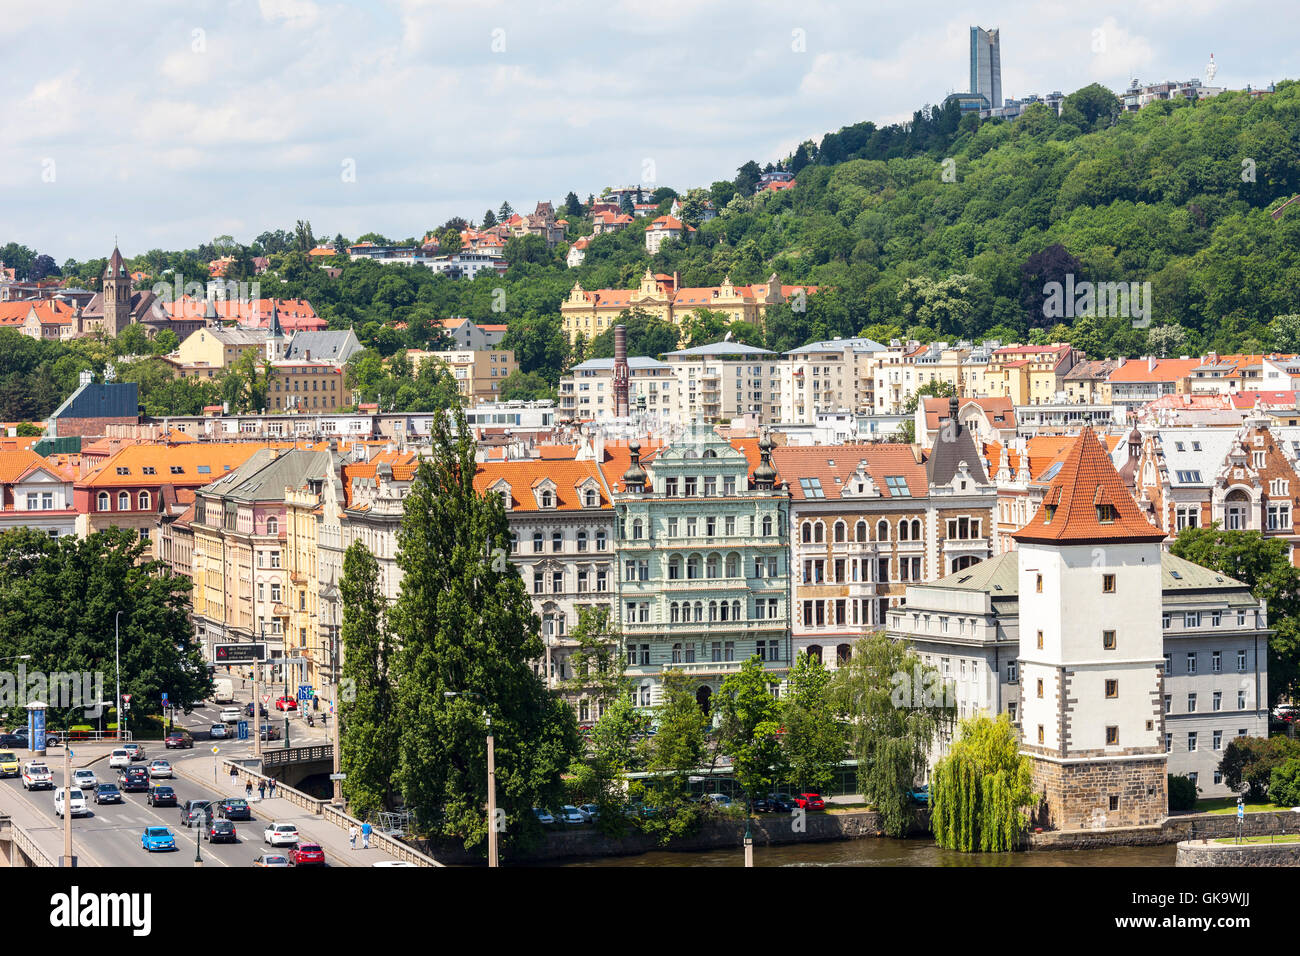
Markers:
point(164, 700)
point(241, 731)
point(304, 691)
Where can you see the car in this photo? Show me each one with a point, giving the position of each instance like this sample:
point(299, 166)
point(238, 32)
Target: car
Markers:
point(133, 779)
point(270, 732)
point(157, 838)
point(590, 812)
point(17, 740)
point(774, 803)
point(119, 758)
point(195, 811)
point(135, 750)
point(248, 710)
point(570, 815)
point(51, 740)
point(271, 859)
point(220, 831)
point(280, 834)
point(719, 800)
point(809, 801)
point(218, 732)
point(231, 715)
point(85, 779)
point(108, 793)
point(307, 854)
point(920, 794)
point(9, 765)
point(161, 796)
point(234, 808)
point(543, 816)
point(37, 776)
point(286, 703)
point(76, 803)
point(160, 768)
point(178, 739)
point(393, 863)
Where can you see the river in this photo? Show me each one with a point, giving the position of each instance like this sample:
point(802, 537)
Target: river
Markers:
point(880, 851)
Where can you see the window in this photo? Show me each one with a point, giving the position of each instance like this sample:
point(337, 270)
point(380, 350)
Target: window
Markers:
point(1192, 619)
point(123, 501)
point(1040, 640)
point(272, 526)
point(1112, 736)
point(1038, 587)
point(1169, 703)
point(275, 594)
point(537, 542)
point(1108, 583)
point(1191, 662)
point(1040, 688)
point(1191, 703)
point(1279, 517)
point(812, 487)
point(145, 500)
point(1112, 689)
point(1165, 620)
point(897, 486)
point(582, 540)
point(1114, 801)
point(600, 541)
point(1191, 741)
point(1040, 733)
point(557, 541)
point(1241, 662)
point(1218, 700)
point(103, 502)
point(1241, 701)
point(1108, 640)
point(1169, 743)
point(1216, 662)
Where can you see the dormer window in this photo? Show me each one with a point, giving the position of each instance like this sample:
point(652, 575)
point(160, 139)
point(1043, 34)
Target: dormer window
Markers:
point(1048, 512)
point(546, 499)
point(1106, 513)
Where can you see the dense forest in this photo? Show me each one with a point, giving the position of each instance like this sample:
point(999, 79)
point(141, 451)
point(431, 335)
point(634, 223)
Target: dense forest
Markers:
point(944, 227)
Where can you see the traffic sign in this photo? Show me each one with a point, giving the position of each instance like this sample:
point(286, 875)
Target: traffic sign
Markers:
point(164, 700)
point(338, 776)
point(216, 749)
point(238, 653)
point(241, 730)
point(266, 698)
point(304, 692)
point(126, 698)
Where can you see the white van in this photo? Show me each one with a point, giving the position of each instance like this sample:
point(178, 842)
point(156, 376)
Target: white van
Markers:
point(223, 690)
point(76, 803)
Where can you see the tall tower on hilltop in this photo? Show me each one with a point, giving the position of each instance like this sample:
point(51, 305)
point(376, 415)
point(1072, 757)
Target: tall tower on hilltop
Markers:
point(116, 292)
point(1091, 649)
point(986, 65)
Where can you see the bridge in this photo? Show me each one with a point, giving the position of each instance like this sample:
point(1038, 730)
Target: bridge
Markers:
point(292, 765)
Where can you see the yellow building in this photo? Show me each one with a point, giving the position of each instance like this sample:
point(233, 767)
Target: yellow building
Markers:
point(478, 372)
point(209, 351)
point(307, 387)
point(590, 313)
point(302, 630)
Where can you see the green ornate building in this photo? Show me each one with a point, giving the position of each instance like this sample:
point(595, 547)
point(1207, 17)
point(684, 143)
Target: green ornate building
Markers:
point(703, 562)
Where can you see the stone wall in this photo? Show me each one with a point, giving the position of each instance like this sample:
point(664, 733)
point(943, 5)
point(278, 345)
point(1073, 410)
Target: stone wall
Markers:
point(1078, 795)
point(1245, 854)
point(1176, 829)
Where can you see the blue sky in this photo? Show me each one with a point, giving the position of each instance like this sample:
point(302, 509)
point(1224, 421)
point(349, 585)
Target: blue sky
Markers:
point(169, 123)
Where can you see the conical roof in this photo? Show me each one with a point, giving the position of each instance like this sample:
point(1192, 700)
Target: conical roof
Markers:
point(1087, 502)
point(116, 268)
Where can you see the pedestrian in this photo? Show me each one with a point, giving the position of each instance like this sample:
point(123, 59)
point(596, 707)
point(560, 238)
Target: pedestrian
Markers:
point(248, 788)
point(234, 774)
point(352, 835)
point(261, 789)
point(271, 788)
point(365, 835)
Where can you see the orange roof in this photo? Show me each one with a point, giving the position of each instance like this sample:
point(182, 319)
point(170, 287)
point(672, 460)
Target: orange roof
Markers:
point(403, 463)
point(1164, 370)
point(834, 464)
point(1087, 502)
point(523, 476)
point(1000, 411)
point(17, 464)
point(14, 313)
point(189, 457)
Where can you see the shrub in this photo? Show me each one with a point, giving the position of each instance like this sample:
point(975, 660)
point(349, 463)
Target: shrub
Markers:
point(1182, 793)
point(1284, 784)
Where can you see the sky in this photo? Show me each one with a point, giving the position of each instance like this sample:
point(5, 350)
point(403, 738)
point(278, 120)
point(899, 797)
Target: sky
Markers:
point(168, 123)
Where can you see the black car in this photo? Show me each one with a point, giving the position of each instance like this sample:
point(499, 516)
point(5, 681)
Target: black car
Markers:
point(219, 831)
point(133, 779)
point(248, 710)
point(234, 808)
point(13, 741)
point(108, 793)
point(195, 811)
point(160, 796)
point(774, 803)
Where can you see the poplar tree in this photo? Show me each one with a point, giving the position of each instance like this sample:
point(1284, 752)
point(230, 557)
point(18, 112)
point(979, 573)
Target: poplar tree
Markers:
point(366, 709)
point(466, 627)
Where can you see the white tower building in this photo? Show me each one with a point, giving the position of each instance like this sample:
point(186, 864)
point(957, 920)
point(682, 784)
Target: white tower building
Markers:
point(1091, 649)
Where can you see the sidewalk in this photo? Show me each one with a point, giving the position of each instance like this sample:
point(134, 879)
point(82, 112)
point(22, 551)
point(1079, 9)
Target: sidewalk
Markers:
point(333, 840)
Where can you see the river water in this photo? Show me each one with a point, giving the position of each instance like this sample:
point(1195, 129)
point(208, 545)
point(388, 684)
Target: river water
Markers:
point(880, 851)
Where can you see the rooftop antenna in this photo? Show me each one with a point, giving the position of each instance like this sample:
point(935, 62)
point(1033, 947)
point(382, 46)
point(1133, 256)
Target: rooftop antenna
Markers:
point(1210, 70)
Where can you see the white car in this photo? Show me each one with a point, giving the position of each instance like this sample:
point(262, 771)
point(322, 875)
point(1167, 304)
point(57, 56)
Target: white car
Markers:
point(218, 732)
point(392, 863)
point(280, 834)
point(76, 804)
point(85, 779)
point(160, 768)
point(119, 758)
point(231, 715)
point(37, 776)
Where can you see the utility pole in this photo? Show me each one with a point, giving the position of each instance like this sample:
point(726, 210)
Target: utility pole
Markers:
point(336, 733)
point(117, 661)
point(492, 790)
point(68, 858)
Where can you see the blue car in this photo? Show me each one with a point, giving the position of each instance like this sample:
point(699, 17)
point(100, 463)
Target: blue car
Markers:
point(157, 838)
point(920, 794)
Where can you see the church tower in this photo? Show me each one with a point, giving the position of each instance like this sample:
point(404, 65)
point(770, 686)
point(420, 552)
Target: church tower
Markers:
point(1092, 649)
point(116, 294)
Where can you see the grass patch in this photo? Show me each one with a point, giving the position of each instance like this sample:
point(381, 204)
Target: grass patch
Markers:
point(1229, 805)
point(1281, 838)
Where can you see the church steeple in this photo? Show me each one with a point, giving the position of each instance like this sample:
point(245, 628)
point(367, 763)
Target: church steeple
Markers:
point(116, 293)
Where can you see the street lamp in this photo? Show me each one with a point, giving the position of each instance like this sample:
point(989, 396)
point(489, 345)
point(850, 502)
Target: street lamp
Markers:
point(117, 663)
point(491, 772)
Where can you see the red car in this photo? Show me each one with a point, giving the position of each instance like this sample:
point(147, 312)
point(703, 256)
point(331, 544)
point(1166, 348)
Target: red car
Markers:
point(286, 703)
point(307, 854)
point(809, 801)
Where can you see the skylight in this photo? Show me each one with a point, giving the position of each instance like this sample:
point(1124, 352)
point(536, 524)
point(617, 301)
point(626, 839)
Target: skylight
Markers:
point(1052, 472)
point(812, 487)
point(897, 486)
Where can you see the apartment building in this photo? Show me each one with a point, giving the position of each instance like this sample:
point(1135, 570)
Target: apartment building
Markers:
point(478, 372)
point(587, 392)
point(726, 380)
point(836, 375)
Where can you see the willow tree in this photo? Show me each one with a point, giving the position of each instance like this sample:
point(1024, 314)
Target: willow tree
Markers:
point(981, 792)
point(468, 639)
point(896, 709)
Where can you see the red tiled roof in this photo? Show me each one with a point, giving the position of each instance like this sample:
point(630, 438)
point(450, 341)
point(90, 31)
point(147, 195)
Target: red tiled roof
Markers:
point(1000, 411)
point(1071, 512)
point(1165, 370)
point(523, 476)
point(793, 462)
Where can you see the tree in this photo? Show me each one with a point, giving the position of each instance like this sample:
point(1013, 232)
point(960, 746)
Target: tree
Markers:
point(747, 177)
point(505, 212)
point(1284, 783)
point(1164, 340)
point(1248, 763)
point(521, 386)
point(1182, 793)
point(367, 712)
point(815, 739)
point(489, 220)
point(465, 625)
point(303, 239)
point(1263, 565)
point(981, 791)
point(572, 207)
point(895, 709)
point(1052, 264)
point(750, 728)
point(1284, 333)
point(597, 660)
point(677, 752)
point(646, 335)
point(932, 389)
point(59, 600)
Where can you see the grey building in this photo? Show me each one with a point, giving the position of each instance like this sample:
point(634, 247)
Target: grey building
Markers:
point(986, 65)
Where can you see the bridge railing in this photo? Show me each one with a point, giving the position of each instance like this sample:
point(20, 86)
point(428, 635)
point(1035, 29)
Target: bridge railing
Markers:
point(21, 841)
point(291, 755)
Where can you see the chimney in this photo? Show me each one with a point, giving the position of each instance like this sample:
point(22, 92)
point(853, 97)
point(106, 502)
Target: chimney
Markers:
point(1151, 363)
point(620, 372)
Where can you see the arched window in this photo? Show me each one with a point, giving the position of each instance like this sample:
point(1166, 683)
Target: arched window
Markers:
point(735, 610)
point(713, 610)
point(674, 611)
point(712, 566)
point(860, 531)
point(767, 526)
point(903, 531)
point(584, 709)
point(699, 610)
point(675, 567)
point(677, 650)
point(815, 652)
point(733, 565)
point(819, 532)
point(841, 531)
point(145, 500)
point(104, 502)
point(123, 501)
point(548, 500)
point(724, 612)
point(592, 498)
point(709, 453)
point(916, 530)
point(272, 526)
point(882, 530)
point(842, 654)
point(636, 529)
point(693, 566)
point(964, 562)
point(806, 533)
point(557, 541)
